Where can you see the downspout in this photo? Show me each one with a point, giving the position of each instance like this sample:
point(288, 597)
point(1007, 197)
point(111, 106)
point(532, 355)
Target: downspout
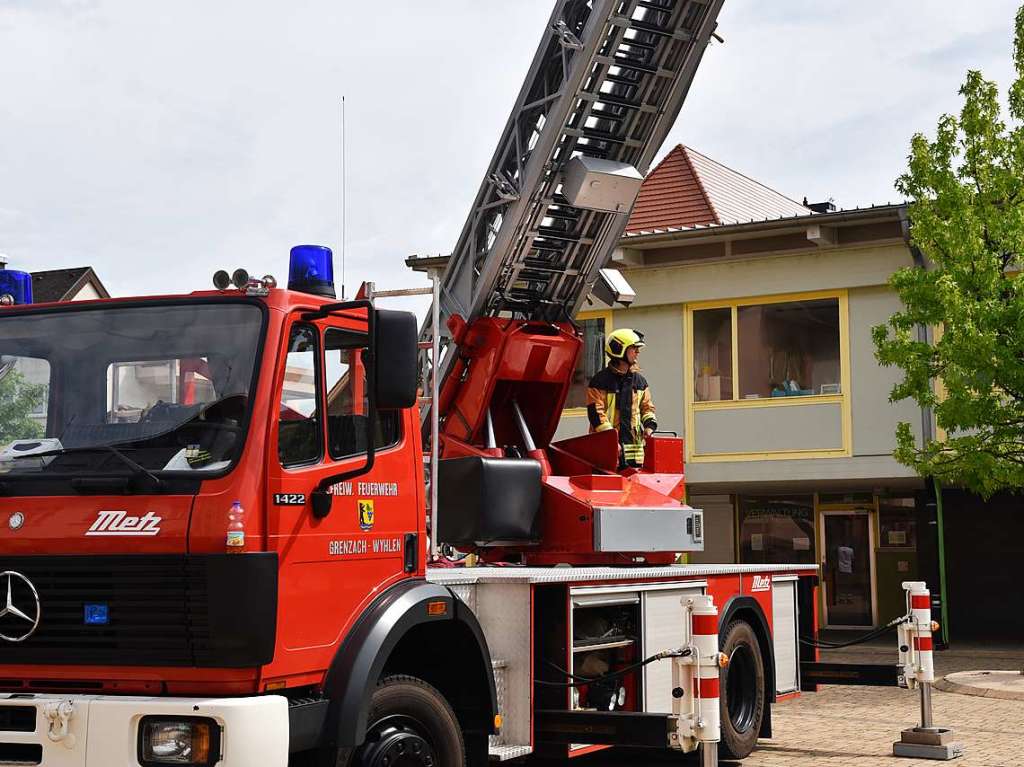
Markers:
point(928, 435)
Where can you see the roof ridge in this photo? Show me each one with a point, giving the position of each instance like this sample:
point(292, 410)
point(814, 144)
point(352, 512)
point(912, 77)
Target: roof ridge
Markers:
point(700, 184)
point(761, 184)
point(663, 160)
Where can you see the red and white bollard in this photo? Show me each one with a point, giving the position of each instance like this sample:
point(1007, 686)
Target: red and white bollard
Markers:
point(915, 637)
point(915, 645)
point(697, 674)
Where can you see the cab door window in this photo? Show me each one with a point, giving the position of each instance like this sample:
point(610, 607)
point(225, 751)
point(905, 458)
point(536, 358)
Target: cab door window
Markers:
point(348, 405)
point(300, 434)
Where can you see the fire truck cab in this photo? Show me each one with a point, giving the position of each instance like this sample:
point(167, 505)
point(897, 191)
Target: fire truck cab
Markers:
point(161, 416)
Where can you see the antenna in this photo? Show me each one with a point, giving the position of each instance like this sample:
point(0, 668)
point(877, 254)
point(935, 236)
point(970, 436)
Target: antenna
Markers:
point(344, 196)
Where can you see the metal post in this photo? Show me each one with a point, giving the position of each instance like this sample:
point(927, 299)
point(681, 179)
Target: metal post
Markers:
point(926, 706)
point(524, 430)
point(492, 443)
point(709, 754)
point(435, 423)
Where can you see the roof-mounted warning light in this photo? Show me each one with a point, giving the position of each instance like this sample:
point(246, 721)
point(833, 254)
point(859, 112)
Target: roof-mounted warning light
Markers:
point(15, 287)
point(311, 270)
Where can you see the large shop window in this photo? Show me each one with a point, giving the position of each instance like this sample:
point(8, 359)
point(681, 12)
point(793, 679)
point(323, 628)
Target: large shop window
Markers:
point(591, 360)
point(776, 529)
point(781, 349)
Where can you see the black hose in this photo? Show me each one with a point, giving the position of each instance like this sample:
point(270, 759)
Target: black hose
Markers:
point(873, 634)
point(579, 681)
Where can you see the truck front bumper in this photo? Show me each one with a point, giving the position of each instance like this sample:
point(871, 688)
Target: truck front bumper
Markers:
point(103, 730)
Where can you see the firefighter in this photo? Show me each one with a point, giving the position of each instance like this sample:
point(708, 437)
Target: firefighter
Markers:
point(619, 398)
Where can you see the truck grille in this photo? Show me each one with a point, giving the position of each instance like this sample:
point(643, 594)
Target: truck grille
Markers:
point(17, 718)
point(155, 610)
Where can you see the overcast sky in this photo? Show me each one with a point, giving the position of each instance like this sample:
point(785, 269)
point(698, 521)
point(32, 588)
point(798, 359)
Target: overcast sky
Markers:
point(159, 142)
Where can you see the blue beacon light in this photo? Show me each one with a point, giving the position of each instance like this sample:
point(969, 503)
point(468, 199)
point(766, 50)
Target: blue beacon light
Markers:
point(15, 287)
point(311, 270)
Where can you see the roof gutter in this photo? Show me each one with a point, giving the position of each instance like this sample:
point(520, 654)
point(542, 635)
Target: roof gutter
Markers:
point(880, 212)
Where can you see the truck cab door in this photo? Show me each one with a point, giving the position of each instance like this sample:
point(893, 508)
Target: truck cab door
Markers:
point(331, 566)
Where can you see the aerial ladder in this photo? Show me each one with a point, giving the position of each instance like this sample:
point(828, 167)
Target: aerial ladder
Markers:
point(499, 346)
point(604, 88)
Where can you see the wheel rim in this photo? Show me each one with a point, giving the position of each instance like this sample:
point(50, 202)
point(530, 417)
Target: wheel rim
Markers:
point(741, 688)
point(397, 741)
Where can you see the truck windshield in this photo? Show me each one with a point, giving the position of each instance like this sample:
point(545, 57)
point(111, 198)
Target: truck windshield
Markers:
point(126, 390)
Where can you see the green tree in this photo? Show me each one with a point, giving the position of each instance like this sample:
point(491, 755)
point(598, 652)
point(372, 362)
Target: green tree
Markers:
point(18, 398)
point(966, 192)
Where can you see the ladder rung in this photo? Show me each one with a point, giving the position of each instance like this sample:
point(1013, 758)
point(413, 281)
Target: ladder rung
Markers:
point(611, 98)
point(635, 43)
point(623, 62)
point(652, 5)
point(623, 79)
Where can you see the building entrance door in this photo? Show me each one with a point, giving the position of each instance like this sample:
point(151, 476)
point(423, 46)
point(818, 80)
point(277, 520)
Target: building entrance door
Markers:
point(848, 568)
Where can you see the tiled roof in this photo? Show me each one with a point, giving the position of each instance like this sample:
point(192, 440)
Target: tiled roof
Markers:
point(688, 189)
point(58, 284)
point(671, 195)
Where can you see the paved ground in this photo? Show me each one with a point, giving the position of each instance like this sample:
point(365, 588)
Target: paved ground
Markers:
point(856, 726)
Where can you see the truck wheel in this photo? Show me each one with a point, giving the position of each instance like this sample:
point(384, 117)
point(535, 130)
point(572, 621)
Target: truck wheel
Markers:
point(410, 725)
point(742, 694)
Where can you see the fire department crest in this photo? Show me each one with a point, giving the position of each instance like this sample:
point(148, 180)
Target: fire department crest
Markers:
point(365, 514)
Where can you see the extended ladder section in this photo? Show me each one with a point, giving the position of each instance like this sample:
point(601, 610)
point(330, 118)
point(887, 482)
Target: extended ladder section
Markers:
point(603, 91)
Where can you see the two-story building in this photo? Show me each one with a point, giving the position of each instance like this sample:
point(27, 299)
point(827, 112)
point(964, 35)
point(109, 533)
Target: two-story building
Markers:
point(758, 313)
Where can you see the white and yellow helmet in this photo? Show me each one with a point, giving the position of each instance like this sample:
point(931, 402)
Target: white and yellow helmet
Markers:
point(619, 340)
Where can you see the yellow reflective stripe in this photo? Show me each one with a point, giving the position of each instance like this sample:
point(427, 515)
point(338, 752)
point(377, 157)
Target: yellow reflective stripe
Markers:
point(604, 427)
point(633, 452)
point(610, 412)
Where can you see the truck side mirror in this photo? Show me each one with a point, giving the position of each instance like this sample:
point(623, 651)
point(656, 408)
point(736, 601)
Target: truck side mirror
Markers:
point(395, 357)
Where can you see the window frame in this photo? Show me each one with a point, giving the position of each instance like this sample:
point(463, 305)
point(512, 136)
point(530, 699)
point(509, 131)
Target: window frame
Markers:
point(329, 456)
point(590, 314)
point(843, 399)
point(319, 398)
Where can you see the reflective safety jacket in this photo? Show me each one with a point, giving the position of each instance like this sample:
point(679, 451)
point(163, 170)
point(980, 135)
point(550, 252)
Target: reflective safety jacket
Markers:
point(622, 401)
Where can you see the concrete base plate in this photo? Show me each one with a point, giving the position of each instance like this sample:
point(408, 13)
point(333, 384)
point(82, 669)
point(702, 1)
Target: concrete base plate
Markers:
point(936, 736)
point(942, 753)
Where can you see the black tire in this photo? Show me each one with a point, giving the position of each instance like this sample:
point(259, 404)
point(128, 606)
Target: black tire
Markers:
point(409, 724)
point(742, 695)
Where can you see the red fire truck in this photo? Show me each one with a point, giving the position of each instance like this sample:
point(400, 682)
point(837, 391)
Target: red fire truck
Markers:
point(217, 544)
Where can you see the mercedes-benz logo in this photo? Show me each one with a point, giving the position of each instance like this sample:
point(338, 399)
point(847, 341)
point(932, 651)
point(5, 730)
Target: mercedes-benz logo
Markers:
point(27, 615)
point(16, 521)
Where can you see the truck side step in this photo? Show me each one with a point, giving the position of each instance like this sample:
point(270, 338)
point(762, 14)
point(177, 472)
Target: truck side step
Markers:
point(606, 728)
point(306, 717)
point(866, 674)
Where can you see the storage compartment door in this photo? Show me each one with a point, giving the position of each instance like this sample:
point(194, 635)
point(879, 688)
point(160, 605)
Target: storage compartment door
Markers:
point(663, 630)
point(784, 636)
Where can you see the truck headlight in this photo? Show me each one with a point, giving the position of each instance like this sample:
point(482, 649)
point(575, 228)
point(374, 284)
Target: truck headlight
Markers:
point(186, 740)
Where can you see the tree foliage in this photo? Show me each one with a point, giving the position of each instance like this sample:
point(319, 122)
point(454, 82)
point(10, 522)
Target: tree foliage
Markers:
point(18, 398)
point(966, 192)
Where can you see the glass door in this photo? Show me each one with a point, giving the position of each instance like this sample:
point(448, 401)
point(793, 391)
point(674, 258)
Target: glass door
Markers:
point(848, 568)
